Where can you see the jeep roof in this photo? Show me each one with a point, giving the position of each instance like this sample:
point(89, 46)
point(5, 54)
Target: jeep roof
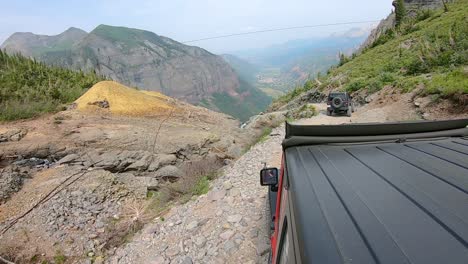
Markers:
point(377, 193)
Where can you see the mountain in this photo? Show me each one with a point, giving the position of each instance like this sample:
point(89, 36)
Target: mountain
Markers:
point(33, 45)
point(246, 70)
point(427, 52)
point(283, 66)
point(148, 61)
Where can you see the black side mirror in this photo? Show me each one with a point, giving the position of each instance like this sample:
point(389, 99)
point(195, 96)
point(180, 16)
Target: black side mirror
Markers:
point(269, 177)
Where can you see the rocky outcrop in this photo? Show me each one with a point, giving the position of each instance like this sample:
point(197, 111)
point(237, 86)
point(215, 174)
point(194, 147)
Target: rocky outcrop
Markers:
point(13, 135)
point(412, 7)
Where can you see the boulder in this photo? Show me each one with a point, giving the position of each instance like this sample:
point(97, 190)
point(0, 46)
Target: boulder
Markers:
point(155, 164)
point(108, 160)
point(169, 172)
point(167, 159)
point(142, 163)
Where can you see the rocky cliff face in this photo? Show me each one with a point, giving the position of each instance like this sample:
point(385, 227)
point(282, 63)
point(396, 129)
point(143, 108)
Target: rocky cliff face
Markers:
point(148, 61)
point(412, 7)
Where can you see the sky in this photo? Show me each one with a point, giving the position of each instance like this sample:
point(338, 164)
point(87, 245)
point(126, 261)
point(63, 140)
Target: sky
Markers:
point(184, 20)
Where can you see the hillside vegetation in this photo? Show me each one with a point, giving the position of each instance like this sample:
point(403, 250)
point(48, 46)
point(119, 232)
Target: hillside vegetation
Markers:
point(429, 50)
point(29, 88)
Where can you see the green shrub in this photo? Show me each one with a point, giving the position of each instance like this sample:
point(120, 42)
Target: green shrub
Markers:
point(387, 78)
point(424, 14)
point(384, 38)
point(448, 84)
point(356, 85)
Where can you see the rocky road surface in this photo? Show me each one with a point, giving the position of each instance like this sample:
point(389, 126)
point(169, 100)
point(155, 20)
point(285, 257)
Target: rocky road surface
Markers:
point(227, 225)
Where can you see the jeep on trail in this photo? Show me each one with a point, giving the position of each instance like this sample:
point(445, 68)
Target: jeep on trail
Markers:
point(339, 103)
point(371, 193)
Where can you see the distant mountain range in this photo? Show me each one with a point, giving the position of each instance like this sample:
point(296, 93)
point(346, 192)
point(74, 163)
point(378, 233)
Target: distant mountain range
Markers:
point(281, 67)
point(143, 59)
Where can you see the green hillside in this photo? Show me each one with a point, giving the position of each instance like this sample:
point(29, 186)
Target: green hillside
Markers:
point(251, 101)
point(428, 50)
point(29, 88)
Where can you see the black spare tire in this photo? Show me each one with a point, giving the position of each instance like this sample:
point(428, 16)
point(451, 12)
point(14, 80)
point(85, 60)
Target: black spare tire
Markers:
point(337, 102)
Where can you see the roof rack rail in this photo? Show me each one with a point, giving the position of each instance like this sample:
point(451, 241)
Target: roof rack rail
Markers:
point(369, 132)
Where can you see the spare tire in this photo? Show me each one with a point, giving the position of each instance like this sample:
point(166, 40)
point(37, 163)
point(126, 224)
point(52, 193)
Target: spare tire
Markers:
point(337, 102)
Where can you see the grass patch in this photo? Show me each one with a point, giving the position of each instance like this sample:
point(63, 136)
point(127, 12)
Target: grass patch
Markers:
point(448, 84)
point(59, 258)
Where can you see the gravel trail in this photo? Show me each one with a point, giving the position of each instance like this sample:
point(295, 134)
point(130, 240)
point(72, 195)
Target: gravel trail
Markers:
point(227, 225)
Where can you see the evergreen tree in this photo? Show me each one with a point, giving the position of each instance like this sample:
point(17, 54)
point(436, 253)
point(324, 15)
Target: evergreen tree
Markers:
point(400, 12)
point(29, 87)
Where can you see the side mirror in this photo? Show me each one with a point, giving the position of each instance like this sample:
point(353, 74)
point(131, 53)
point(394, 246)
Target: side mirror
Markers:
point(269, 177)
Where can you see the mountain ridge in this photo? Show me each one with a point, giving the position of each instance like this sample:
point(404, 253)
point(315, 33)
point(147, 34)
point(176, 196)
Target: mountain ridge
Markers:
point(143, 59)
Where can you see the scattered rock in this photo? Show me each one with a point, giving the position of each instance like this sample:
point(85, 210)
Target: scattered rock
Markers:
point(187, 260)
point(234, 218)
point(101, 104)
point(216, 195)
point(158, 260)
point(200, 241)
point(192, 225)
point(172, 251)
point(234, 192)
point(227, 185)
point(262, 248)
point(227, 234)
point(229, 247)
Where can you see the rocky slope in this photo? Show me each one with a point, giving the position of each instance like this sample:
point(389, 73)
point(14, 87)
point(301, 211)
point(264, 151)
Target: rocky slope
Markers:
point(72, 183)
point(425, 55)
point(143, 59)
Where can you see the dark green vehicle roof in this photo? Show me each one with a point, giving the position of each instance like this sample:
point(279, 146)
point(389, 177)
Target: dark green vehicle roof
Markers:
point(399, 195)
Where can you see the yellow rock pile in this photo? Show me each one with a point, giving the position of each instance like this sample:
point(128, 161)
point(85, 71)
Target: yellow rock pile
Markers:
point(122, 100)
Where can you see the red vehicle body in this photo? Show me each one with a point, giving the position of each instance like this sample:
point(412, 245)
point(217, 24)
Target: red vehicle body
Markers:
point(371, 193)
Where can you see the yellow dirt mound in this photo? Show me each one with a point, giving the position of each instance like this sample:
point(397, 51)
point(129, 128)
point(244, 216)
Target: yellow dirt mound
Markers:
point(120, 99)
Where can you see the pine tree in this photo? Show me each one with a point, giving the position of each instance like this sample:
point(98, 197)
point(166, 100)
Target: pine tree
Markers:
point(400, 12)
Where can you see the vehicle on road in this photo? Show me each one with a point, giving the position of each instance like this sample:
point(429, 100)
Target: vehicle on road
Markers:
point(339, 103)
point(371, 193)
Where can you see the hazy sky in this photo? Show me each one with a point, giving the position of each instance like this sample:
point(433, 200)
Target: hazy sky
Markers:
point(185, 20)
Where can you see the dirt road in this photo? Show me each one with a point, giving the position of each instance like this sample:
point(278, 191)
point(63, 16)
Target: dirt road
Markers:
point(229, 224)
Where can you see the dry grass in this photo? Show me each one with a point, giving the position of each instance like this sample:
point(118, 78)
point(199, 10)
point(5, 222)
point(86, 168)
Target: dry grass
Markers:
point(133, 217)
point(124, 100)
